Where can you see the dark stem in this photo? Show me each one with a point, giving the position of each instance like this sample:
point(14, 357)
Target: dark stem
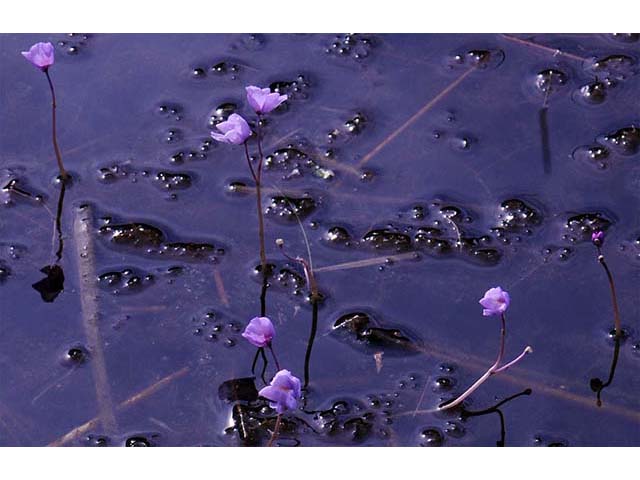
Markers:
point(63, 172)
point(58, 221)
point(255, 361)
point(312, 336)
point(614, 298)
point(263, 295)
point(275, 359)
point(612, 371)
point(496, 409)
point(257, 178)
point(544, 138)
point(276, 430)
point(264, 366)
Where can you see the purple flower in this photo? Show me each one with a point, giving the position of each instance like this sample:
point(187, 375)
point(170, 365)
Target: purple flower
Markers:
point(262, 100)
point(283, 393)
point(597, 237)
point(495, 301)
point(235, 130)
point(259, 332)
point(41, 55)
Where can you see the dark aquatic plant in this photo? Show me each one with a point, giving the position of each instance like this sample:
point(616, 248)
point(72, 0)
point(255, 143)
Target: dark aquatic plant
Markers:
point(495, 302)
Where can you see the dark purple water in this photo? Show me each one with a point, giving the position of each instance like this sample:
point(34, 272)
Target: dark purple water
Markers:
point(498, 158)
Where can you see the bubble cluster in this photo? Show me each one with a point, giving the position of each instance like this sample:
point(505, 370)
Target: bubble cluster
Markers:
point(151, 240)
point(351, 45)
point(351, 420)
point(580, 227)
point(127, 280)
point(211, 326)
point(362, 331)
point(293, 160)
point(73, 43)
point(173, 180)
point(613, 68)
point(516, 216)
point(221, 113)
point(623, 142)
point(352, 126)
point(170, 111)
point(476, 58)
point(296, 89)
point(287, 208)
point(550, 80)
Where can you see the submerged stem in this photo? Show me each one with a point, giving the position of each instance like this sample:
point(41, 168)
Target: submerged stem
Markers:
point(257, 177)
point(275, 359)
point(276, 430)
point(312, 336)
point(63, 172)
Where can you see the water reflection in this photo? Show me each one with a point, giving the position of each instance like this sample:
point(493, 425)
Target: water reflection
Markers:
point(597, 385)
point(496, 409)
point(53, 283)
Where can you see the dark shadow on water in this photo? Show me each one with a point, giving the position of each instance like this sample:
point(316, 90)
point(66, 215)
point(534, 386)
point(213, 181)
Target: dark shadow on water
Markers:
point(496, 409)
point(544, 139)
point(53, 284)
point(596, 383)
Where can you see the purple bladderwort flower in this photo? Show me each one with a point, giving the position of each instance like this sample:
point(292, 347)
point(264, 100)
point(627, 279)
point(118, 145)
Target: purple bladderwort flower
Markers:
point(259, 332)
point(40, 55)
point(495, 302)
point(597, 238)
point(283, 393)
point(235, 130)
point(262, 100)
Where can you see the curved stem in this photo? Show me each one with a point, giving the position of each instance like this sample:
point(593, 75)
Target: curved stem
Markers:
point(486, 375)
point(276, 430)
point(63, 172)
point(275, 359)
point(312, 336)
point(58, 222)
point(263, 258)
point(612, 372)
point(528, 349)
point(614, 298)
point(255, 361)
point(264, 365)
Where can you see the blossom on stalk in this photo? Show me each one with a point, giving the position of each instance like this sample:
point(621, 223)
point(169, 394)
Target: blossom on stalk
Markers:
point(283, 393)
point(495, 302)
point(597, 238)
point(41, 55)
point(262, 100)
point(259, 332)
point(235, 130)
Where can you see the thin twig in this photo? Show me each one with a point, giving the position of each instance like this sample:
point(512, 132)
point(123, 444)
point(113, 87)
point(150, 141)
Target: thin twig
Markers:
point(430, 104)
point(365, 263)
point(143, 394)
point(222, 293)
point(554, 51)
